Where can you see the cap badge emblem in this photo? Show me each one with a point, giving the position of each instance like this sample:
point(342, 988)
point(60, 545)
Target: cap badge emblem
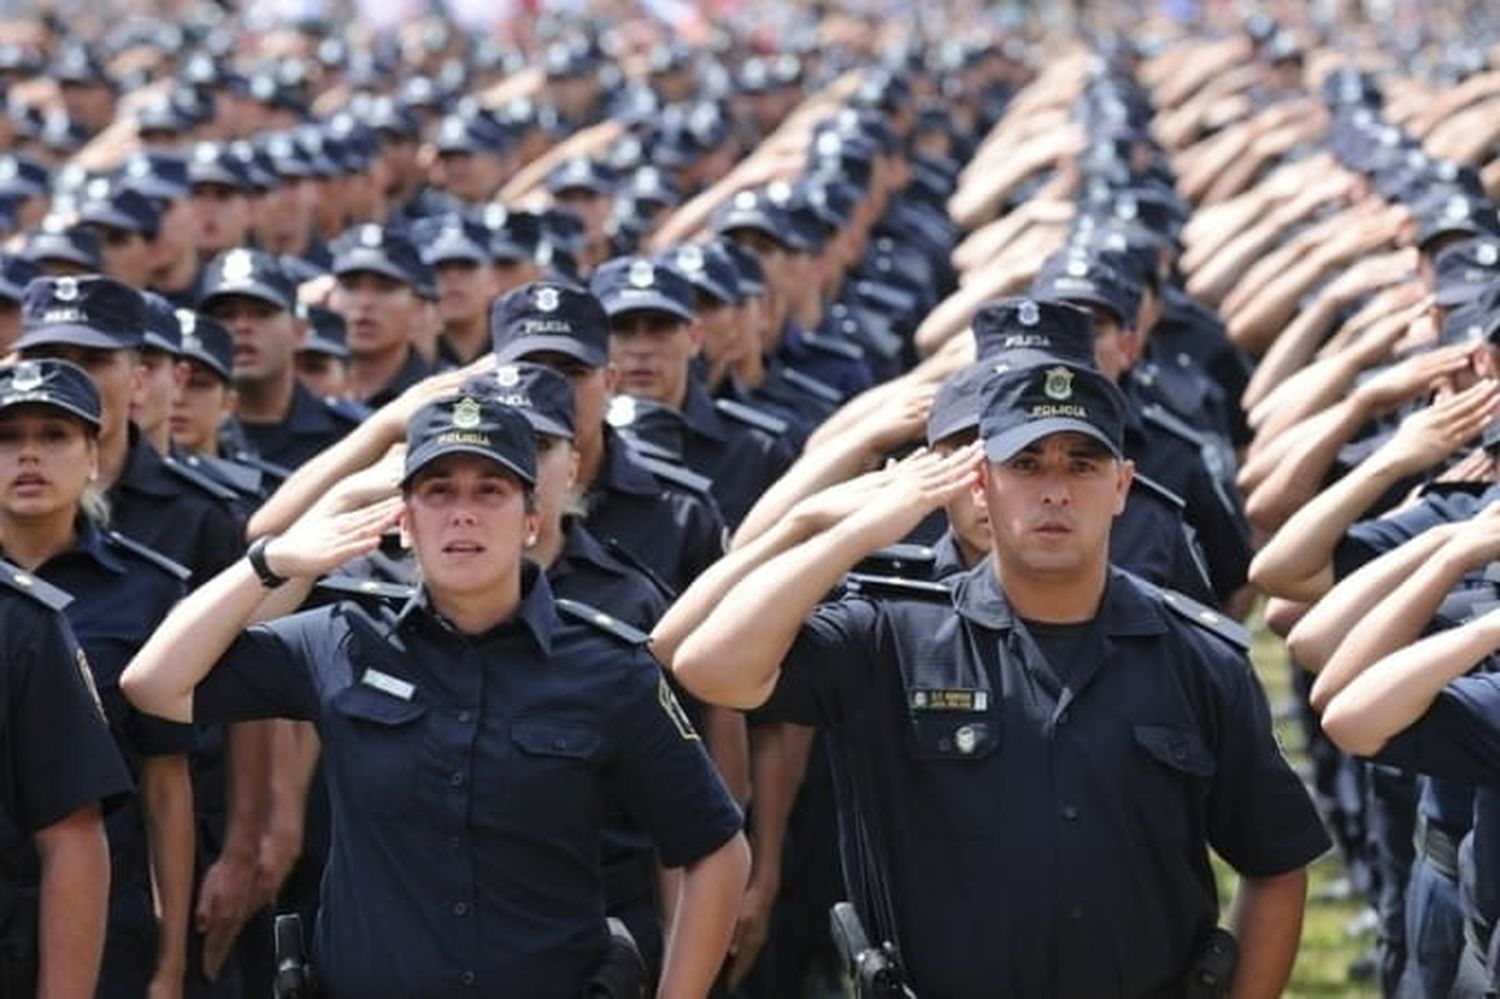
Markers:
point(745, 200)
point(1487, 255)
point(547, 300)
point(642, 274)
point(1059, 384)
point(28, 377)
point(66, 290)
point(1077, 268)
point(507, 376)
point(466, 414)
point(7, 168)
point(690, 259)
point(1028, 314)
point(621, 412)
point(370, 235)
point(239, 266)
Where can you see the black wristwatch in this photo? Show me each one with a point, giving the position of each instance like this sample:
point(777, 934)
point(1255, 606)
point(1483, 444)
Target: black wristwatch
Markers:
point(256, 556)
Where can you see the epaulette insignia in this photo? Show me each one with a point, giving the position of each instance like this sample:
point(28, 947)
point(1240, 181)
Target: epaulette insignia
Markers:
point(1208, 619)
point(43, 592)
point(200, 480)
point(834, 345)
point(156, 558)
point(355, 586)
point(606, 623)
point(813, 386)
point(1159, 491)
point(898, 586)
point(749, 416)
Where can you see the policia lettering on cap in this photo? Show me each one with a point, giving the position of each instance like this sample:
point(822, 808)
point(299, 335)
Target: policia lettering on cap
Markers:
point(1043, 729)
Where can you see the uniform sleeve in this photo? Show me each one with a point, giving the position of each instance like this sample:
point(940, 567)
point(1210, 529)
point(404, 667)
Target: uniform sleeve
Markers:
point(704, 542)
point(158, 737)
point(668, 783)
point(269, 671)
point(64, 755)
point(828, 667)
point(220, 544)
point(1261, 819)
point(1459, 736)
point(1369, 539)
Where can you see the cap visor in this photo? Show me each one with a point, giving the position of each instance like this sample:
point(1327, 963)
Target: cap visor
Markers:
point(1006, 445)
point(318, 345)
point(618, 304)
point(89, 418)
point(544, 424)
point(520, 348)
point(1453, 295)
point(360, 264)
point(73, 335)
point(208, 361)
point(455, 254)
point(255, 290)
point(424, 456)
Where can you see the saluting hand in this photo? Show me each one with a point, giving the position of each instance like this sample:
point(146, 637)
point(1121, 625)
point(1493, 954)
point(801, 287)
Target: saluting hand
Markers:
point(917, 485)
point(322, 540)
point(396, 414)
point(1432, 434)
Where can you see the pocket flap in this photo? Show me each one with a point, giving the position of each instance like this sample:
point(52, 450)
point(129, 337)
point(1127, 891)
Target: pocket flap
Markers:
point(370, 705)
point(1177, 747)
point(573, 740)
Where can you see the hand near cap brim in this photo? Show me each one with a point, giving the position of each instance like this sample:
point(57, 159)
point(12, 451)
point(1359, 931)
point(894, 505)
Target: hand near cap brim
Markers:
point(396, 414)
point(380, 481)
point(321, 540)
point(888, 505)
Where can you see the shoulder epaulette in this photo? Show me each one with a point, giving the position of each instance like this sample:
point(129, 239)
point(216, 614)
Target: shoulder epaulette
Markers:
point(156, 558)
point(646, 448)
point(15, 578)
point(356, 586)
point(750, 416)
point(606, 623)
point(199, 480)
point(898, 586)
point(1159, 417)
point(676, 474)
point(1436, 488)
point(813, 386)
point(1159, 491)
point(837, 346)
point(241, 478)
point(633, 561)
point(278, 472)
point(346, 409)
point(1207, 618)
point(905, 561)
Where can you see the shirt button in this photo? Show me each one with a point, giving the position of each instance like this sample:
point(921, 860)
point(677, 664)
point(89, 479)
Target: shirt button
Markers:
point(466, 716)
point(460, 908)
point(456, 778)
point(1075, 913)
point(1070, 813)
point(467, 978)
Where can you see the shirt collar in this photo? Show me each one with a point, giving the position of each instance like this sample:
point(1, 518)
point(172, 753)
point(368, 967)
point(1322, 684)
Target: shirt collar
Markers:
point(620, 471)
point(1127, 607)
point(144, 471)
point(698, 410)
point(91, 542)
point(536, 613)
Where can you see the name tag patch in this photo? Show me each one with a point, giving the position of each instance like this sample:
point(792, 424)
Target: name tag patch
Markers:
point(387, 684)
point(950, 700)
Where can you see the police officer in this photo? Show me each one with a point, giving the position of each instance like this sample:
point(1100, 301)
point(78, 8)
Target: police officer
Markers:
point(514, 792)
point(323, 357)
point(457, 251)
point(1009, 698)
point(282, 422)
point(381, 280)
point(653, 338)
point(16, 273)
point(50, 522)
point(61, 768)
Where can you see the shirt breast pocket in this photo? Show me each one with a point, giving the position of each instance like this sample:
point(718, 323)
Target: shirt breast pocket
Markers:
point(1172, 774)
point(555, 772)
point(955, 788)
point(377, 742)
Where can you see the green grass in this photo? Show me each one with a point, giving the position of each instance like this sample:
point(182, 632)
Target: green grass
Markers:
point(1327, 950)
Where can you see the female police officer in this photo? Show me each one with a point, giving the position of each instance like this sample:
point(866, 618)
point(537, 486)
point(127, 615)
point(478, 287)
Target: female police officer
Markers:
point(469, 744)
point(49, 423)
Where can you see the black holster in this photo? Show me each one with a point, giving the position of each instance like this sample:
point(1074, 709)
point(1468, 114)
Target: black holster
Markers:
point(294, 974)
point(622, 973)
point(1212, 970)
point(874, 971)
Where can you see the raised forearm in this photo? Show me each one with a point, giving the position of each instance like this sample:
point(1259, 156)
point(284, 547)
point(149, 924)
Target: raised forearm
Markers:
point(73, 904)
point(1267, 925)
point(1303, 470)
point(363, 447)
point(708, 906)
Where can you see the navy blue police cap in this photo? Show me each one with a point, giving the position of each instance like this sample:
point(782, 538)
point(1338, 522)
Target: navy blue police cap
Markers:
point(542, 395)
point(1023, 331)
point(163, 331)
point(16, 272)
point(752, 276)
point(1463, 270)
point(369, 248)
point(471, 423)
point(581, 174)
point(1083, 278)
point(955, 407)
point(213, 163)
point(57, 239)
point(207, 342)
point(159, 176)
point(25, 175)
point(548, 316)
point(1450, 213)
point(708, 268)
point(116, 207)
point(47, 381)
point(1020, 406)
point(451, 238)
point(636, 284)
point(327, 333)
point(88, 311)
point(513, 236)
point(755, 211)
point(248, 273)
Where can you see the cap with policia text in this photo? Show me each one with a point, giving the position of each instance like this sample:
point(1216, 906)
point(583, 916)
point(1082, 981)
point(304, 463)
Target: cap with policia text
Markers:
point(471, 423)
point(636, 284)
point(206, 342)
point(50, 382)
point(88, 311)
point(248, 273)
point(546, 316)
point(542, 395)
point(1020, 406)
point(1029, 331)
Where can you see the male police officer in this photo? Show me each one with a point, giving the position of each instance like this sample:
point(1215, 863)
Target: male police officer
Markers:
point(1070, 739)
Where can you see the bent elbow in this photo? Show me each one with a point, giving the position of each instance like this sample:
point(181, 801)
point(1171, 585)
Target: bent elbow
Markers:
point(1348, 731)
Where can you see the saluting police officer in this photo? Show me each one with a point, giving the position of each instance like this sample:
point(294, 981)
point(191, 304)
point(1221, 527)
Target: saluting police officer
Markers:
point(489, 719)
point(1038, 755)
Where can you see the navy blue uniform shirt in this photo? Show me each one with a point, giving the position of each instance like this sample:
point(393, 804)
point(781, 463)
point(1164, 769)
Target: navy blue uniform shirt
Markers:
point(1046, 841)
point(468, 777)
point(310, 426)
point(412, 370)
point(741, 460)
point(676, 531)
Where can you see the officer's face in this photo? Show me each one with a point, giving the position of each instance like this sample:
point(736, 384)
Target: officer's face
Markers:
point(264, 336)
point(200, 406)
point(177, 234)
point(470, 177)
point(117, 375)
point(223, 215)
point(322, 374)
point(153, 406)
point(464, 290)
point(511, 274)
point(720, 322)
point(379, 312)
point(966, 514)
point(127, 255)
point(651, 350)
point(466, 521)
point(47, 459)
point(1115, 347)
point(1050, 506)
